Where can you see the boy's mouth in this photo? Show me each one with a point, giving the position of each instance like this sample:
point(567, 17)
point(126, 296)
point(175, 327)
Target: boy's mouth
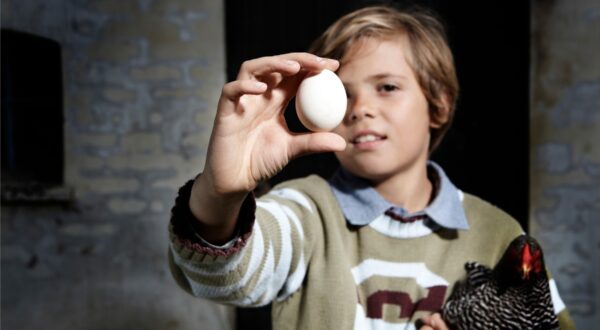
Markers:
point(367, 137)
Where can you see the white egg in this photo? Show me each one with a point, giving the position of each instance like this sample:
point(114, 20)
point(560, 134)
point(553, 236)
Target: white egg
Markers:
point(321, 101)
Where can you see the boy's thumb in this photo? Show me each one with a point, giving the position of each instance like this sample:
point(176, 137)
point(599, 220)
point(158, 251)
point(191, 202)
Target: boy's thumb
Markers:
point(308, 143)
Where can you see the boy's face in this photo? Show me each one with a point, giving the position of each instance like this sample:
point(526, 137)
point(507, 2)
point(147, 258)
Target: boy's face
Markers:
point(387, 121)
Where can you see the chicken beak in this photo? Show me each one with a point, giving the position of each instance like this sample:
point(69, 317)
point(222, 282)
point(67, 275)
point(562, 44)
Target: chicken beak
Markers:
point(526, 270)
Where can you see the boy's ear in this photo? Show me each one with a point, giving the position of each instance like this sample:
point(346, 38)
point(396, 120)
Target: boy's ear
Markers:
point(440, 112)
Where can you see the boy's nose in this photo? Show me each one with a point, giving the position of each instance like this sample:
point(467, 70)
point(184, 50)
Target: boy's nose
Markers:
point(360, 110)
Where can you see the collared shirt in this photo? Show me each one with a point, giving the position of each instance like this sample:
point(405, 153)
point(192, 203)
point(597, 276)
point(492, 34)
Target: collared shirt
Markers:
point(362, 204)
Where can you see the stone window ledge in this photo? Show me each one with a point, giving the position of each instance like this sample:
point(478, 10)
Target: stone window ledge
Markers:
point(34, 193)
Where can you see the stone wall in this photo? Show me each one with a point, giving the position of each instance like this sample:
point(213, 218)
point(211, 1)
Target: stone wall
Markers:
point(141, 81)
point(565, 149)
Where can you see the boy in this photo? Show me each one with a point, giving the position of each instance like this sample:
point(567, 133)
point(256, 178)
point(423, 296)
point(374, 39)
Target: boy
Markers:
point(382, 243)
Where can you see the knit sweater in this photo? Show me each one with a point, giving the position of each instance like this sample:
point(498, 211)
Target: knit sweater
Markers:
point(296, 249)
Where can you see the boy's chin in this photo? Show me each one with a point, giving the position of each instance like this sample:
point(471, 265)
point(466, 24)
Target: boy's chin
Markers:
point(378, 171)
point(372, 173)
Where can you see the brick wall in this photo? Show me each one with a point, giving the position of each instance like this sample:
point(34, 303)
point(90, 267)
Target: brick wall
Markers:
point(565, 149)
point(141, 83)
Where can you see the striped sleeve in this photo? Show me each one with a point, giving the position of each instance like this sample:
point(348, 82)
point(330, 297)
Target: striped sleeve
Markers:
point(267, 261)
point(564, 317)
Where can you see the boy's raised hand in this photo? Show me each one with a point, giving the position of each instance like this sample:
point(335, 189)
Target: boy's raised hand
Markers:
point(250, 141)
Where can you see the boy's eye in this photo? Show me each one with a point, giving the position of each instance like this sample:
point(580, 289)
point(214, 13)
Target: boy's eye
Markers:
point(387, 88)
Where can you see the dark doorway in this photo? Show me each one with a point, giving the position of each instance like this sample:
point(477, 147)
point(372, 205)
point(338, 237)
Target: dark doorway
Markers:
point(486, 152)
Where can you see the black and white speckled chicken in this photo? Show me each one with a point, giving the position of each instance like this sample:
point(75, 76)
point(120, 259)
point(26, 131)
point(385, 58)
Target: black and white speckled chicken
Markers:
point(514, 295)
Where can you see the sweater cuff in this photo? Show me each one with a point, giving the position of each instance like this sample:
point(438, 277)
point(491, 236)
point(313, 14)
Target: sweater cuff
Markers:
point(184, 233)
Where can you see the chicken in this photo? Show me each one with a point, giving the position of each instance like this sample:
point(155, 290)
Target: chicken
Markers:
point(514, 295)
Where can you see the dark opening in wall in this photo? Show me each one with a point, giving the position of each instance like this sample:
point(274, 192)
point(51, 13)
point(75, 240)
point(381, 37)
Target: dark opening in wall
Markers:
point(32, 115)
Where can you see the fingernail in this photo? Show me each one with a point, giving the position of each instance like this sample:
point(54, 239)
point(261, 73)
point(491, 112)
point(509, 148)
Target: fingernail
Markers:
point(260, 85)
point(320, 59)
point(291, 63)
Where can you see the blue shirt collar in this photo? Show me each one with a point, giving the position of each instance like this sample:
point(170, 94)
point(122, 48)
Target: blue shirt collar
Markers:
point(362, 204)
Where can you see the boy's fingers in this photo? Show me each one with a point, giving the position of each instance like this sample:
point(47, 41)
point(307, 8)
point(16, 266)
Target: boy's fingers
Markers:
point(235, 89)
point(423, 323)
point(437, 322)
point(286, 64)
point(267, 65)
point(312, 62)
point(431, 322)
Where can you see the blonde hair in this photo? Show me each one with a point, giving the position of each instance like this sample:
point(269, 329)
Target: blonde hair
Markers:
point(430, 57)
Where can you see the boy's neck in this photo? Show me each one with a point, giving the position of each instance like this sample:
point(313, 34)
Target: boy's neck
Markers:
point(410, 189)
